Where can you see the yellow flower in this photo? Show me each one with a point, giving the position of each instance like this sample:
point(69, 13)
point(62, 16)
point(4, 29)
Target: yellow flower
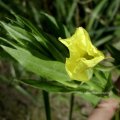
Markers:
point(83, 55)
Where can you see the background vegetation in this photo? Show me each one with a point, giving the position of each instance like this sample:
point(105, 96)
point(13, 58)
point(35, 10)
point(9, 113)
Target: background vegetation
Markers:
point(101, 18)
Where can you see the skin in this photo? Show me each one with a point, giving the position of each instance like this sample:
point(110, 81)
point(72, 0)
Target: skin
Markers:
point(105, 110)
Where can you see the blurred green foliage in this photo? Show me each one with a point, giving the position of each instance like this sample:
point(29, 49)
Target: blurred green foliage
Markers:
point(100, 18)
point(46, 20)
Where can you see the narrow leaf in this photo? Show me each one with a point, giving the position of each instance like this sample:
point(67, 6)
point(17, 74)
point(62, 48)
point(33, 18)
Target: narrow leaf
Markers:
point(52, 70)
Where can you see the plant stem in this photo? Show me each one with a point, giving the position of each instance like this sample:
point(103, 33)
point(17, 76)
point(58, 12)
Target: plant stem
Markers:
point(117, 115)
point(47, 105)
point(71, 106)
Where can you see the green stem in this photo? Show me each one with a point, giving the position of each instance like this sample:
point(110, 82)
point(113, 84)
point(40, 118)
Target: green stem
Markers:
point(71, 106)
point(47, 105)
point(117, 115)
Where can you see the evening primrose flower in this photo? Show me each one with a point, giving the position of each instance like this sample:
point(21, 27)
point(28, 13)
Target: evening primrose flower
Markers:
point(83, 55)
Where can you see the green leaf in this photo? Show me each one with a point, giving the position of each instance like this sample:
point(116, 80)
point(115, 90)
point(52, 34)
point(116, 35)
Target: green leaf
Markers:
point(50, 86)
point(96, 13)
point(97, 83)
point(100, 78)
point(72, 10)
point(103, 40)
point(20, 34)
point(42, 37)
point(58, 45)
point(115, 53)
point(31, 49)
point(56, 54)
point(93, 99)
point(51, 70)
point(104, 68)
point(51, 26)
point(24, 23)
point(38, 40)
point(109, 84)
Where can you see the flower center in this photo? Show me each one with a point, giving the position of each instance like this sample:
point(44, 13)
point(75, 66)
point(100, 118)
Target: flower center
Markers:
point(88, 57)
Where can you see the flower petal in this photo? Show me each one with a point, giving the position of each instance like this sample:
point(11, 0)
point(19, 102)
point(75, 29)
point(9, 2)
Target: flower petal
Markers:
point(83, 55)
